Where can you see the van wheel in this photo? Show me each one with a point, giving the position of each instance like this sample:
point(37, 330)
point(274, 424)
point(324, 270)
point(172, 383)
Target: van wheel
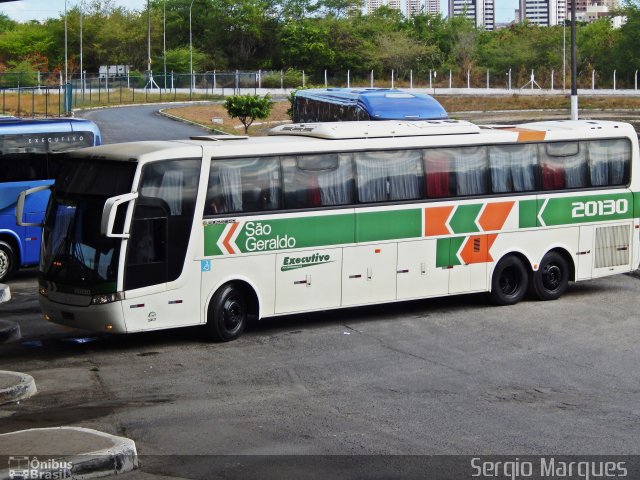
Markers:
point(509, 282)
point(227, 315)
point(552, 278)
point(8, 261)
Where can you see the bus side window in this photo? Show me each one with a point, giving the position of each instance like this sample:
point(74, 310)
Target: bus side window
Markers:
point(243, 185)
point(513, 168)
point(317, 180)
point(471, 170)
point(609, 162)
point(437, 172)
point(389, 175)
point(563, 165)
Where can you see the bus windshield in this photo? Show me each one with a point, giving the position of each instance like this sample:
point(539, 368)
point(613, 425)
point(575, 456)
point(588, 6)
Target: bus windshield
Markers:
point(28, 151)
point(73, 250)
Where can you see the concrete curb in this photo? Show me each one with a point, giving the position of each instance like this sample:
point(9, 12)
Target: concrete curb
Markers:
point(15, 386)
point(5, 293)
point(65, 452)
point(9, 331)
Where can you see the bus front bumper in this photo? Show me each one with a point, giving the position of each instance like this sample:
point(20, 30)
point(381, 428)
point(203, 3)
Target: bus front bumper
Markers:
point(97, 318)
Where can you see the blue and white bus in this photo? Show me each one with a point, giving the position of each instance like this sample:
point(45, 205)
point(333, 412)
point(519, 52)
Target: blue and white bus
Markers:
point(27, 161)
point(353, 104)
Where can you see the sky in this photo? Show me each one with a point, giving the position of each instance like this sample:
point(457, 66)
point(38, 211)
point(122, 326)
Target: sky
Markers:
point(41, 9)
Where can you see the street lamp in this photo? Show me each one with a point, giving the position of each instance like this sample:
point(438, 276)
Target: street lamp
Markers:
point(190, 50)
point(66, 64)
point(164, 41)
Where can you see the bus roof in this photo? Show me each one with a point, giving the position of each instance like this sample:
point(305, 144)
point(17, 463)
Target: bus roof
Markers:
point(15, 125)
point(340, 137)
point(381, 103)
point(344, 130)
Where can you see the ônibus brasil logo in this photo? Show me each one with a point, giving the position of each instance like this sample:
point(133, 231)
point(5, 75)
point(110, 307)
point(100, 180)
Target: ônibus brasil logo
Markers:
point(292, 263)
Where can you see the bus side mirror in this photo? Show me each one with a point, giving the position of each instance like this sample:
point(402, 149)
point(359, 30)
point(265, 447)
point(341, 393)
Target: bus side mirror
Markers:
point(22, 196)
point(109, 214)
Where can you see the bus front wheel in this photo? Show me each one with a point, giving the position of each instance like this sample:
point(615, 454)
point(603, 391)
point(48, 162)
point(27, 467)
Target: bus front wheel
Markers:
point(227, 315)
point(7, 261)
point(509, 282)
point(552, 277)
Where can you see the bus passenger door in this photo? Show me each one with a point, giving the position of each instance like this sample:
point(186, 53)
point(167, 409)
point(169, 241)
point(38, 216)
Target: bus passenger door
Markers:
point(418, 275)
point(308, 280)
point(369, 274)
point(157, 273)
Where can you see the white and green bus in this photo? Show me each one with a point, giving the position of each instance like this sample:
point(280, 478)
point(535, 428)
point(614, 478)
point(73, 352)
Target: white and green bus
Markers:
point(211, 230)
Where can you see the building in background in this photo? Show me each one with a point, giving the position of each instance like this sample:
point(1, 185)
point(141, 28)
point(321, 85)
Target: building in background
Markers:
point(545, 13)
point(411, 7)
point(481, 12)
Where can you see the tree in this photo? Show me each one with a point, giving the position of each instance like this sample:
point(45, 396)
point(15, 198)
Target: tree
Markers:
point(247, 108)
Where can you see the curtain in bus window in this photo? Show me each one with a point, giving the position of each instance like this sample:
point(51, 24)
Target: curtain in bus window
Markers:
point(563, 165)
point(315, 180)
point(171, 190)
point(513, 168)
point(230, 189)
point(608, 162)
point(388, 176)
point(437, 170)
point(471, 170)
point(243, 185)
point(336, 185)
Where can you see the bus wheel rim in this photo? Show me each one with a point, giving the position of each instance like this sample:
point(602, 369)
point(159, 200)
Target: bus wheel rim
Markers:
point(509, 282)
point(551, 276)
point(233, 314)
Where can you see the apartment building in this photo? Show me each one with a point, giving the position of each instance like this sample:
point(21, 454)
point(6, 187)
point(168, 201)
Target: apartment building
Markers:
point(481, 12)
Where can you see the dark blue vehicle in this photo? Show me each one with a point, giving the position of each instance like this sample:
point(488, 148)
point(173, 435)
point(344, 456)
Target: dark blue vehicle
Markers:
point(353, 104)
point(27, 160)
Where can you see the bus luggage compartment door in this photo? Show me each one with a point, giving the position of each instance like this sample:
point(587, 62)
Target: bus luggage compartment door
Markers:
point(369, 274)
point(308, 280)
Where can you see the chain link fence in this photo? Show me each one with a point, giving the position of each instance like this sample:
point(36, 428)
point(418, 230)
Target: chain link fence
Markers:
point(46, 94)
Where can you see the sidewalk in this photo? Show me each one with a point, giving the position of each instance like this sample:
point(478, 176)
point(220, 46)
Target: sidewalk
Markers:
point(65, 452)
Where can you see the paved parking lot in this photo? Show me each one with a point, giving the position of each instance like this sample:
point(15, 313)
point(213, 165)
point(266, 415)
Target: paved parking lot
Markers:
point(441, 376)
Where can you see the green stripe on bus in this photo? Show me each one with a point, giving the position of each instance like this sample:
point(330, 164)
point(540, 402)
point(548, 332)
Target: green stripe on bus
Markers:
point(456, 245)
point(528, 213)
point(211, 236)
point(464, 218)
point(442, 252)
point(388, 225)
point(586, 208)
point(447, 251)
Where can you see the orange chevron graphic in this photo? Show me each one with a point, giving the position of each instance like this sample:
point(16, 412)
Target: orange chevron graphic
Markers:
point(476, 249)
point(494, 215)
point(435, 220)
point(227, 238)
point(526, 135)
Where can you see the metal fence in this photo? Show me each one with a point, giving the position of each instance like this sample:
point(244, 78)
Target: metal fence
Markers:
point(46, 94)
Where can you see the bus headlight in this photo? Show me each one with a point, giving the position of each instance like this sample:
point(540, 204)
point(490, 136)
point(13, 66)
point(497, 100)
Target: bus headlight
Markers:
point(43, 291)
point(106, 298)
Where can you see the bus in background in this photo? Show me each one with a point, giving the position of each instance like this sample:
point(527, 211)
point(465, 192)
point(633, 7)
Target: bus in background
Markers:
point(152, 235)
point(27, 161)
point(355, 104)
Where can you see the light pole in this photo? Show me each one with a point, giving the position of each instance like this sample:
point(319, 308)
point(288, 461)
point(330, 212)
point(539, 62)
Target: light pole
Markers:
point(190, 50)
point(81, 71)
point(574, 64)
point(66, 63)
point(164, 41)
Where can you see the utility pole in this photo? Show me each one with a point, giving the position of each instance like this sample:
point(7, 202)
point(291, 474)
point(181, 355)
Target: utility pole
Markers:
point(574, 64)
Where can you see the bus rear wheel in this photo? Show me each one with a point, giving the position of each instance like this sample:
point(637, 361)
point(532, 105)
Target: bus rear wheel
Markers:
point(8, 261)
point(227, 315)
point(509, 282)
point(551, 279)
